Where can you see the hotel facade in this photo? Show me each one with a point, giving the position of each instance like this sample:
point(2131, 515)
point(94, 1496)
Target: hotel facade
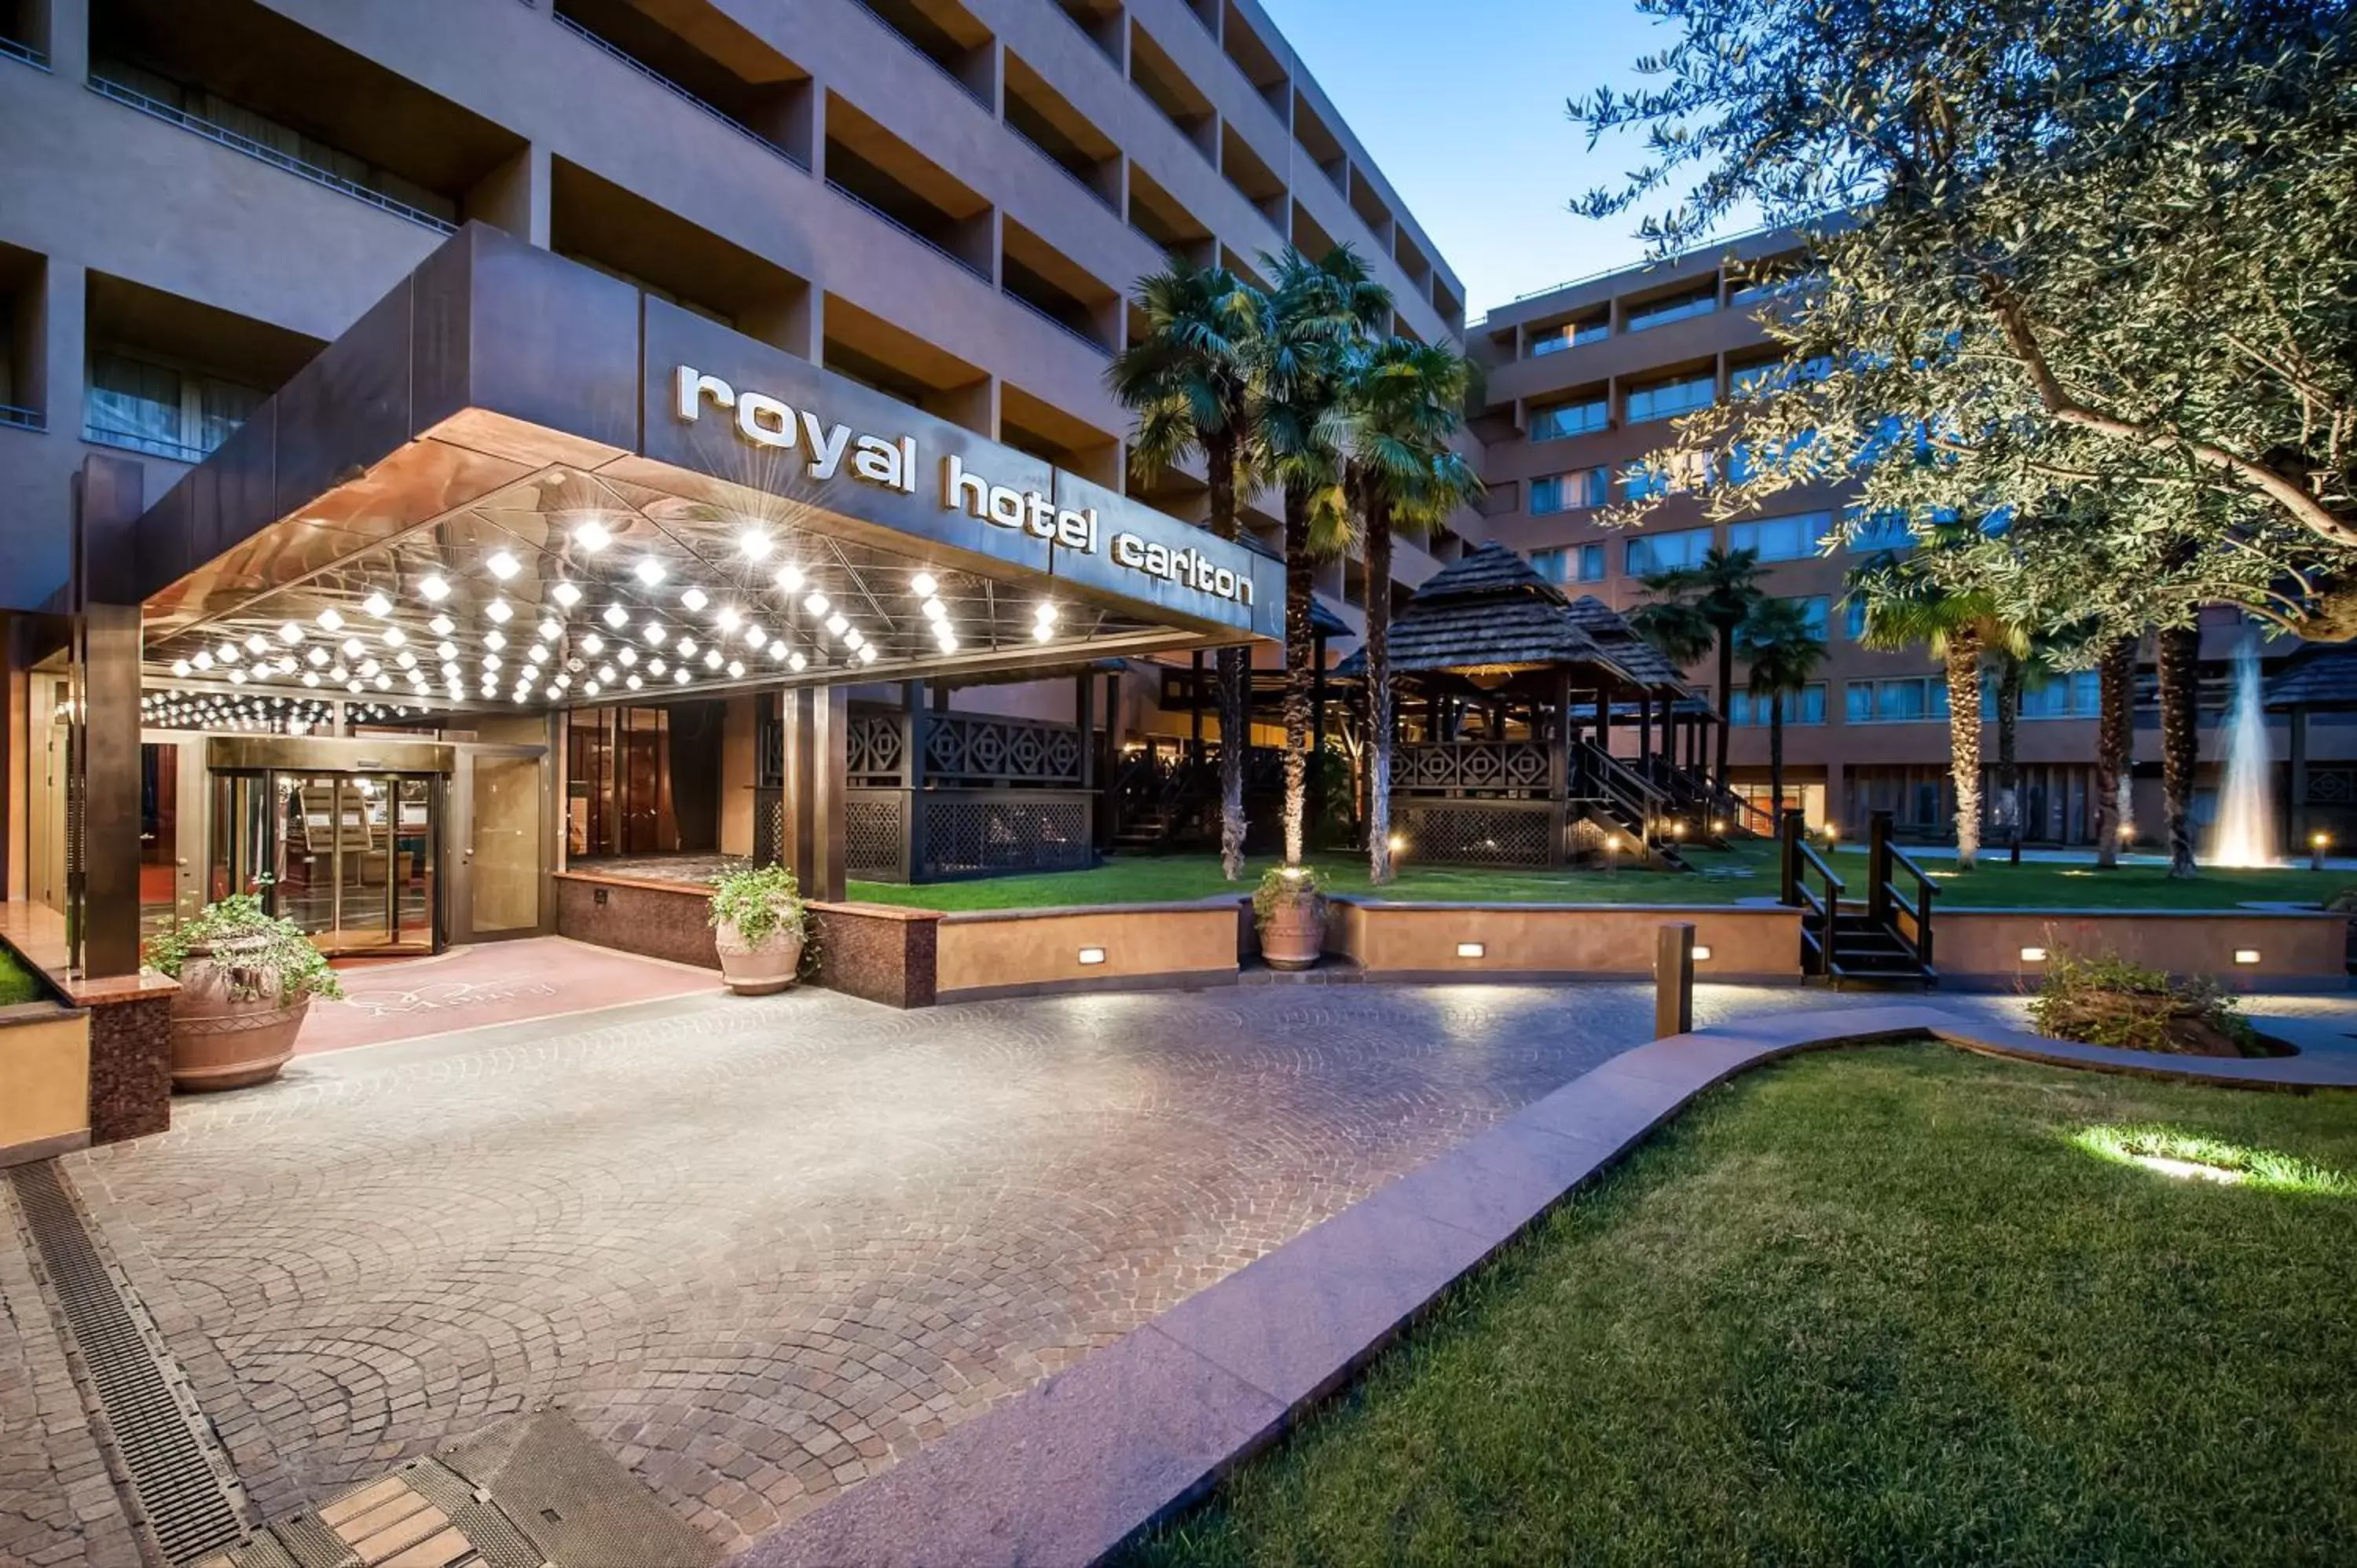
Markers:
point(908, 228)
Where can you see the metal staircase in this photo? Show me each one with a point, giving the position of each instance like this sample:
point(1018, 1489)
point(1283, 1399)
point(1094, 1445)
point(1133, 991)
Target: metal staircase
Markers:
point(1619, 799)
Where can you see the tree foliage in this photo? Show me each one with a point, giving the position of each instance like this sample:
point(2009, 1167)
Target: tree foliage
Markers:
point(2089, 263)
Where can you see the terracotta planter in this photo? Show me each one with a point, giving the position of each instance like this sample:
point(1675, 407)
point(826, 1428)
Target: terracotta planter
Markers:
point(1294, 935)
point(757, 968)
point(219, 1041)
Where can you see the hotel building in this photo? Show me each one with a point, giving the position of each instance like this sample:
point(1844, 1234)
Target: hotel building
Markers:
point(1580, 380)
point(935, 209)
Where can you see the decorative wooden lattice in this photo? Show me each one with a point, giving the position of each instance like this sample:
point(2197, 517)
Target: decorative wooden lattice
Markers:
point(1471, 768)
point(967, 836)
point(873, 840)
point(2332, 786)
point(1473, 834)
point(769, 824)
point(963, 749)
point(874, 752)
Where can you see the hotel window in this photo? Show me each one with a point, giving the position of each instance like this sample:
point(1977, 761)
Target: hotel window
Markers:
point(1676, 308)
point(1579, 417)
point(2075, 695)
point(1639, 483)
point(1883, 530)
point(1552, 565)
point(1562, 492)
point(1910, 699)
point(1805, 706)
point(1591, 563)
point(1675, 395)
point(147, 406)
point(1854, 619)
point(1649, 553)
point(1790, 538)
point(1567, 335)
point(1815, 607)
point(1744, 379)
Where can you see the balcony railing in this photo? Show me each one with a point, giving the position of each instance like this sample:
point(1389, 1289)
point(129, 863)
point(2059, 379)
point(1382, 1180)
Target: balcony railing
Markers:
point(11, 49)
point(938, 249)
point(633, 63)
point(223, 136)
point(1057, 164)
point(17, 418)
point(1066, 328)
point(154, 447)
point(906, 42)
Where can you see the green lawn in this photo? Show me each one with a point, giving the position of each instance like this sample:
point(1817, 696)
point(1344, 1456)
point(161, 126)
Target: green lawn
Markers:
point(18, 983)
point(2034, 885)
point(1871, 1306)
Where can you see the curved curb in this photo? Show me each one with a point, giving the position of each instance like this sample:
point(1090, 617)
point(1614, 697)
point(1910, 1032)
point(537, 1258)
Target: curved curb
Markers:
point(1065, 1473)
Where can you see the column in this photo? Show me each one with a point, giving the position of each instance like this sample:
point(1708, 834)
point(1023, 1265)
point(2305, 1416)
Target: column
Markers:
point(817, 761)
point(103, 878)
point(914, 848)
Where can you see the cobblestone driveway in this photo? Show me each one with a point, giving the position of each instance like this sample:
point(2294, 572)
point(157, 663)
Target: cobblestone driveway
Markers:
point(763, 1248)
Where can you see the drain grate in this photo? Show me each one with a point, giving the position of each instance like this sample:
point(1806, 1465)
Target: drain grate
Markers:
point(188, 1493)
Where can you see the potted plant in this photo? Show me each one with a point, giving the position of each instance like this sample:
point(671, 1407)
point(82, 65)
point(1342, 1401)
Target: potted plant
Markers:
point(246, 984)
point(759, 924)
point(1290, 910)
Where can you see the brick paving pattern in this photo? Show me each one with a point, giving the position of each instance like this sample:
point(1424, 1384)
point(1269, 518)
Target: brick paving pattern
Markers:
point(764, 1247)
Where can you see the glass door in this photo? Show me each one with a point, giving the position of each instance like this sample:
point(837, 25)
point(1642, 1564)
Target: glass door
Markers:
point(502, 845)
point(356, 860)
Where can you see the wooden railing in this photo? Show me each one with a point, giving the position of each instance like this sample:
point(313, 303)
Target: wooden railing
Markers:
point(1820, 906)
point(1905, 911)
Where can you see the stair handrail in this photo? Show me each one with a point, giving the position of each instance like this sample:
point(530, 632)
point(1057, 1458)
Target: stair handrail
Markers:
point(1610, 769)
point(1917, 910)
point(1817, 913)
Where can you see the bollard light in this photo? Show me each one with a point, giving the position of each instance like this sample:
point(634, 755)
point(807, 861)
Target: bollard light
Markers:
point(2316, 845)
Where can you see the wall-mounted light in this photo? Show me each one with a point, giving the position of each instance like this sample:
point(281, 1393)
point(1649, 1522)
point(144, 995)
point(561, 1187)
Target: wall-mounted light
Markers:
point(1092, 955)
point(2247, 955)
point(1470, 950)
point(1701, 953)
point(2033, 955)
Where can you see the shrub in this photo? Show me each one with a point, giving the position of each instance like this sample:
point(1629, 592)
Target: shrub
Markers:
point(759, 901)
point(1285, 885)
point(258, 955)
point(2107, 1001)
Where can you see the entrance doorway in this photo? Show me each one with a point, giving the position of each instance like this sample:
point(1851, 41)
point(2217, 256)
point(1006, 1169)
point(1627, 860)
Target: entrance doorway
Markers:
point(372, 847)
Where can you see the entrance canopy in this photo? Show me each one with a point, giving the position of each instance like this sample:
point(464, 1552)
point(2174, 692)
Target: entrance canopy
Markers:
point(517, 481)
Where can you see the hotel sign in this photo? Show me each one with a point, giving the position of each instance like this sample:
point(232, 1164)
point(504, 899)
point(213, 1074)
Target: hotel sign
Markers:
point(893, 461)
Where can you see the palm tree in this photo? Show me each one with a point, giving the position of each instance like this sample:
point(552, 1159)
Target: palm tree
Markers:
point(2032, 669)
point(1696, 608)
point(1187, 379)
point(1316, 314)
point(2115, 747)
point(1904, 607)
point(1783, 651)
point(2179, 666)
point(1402, 400)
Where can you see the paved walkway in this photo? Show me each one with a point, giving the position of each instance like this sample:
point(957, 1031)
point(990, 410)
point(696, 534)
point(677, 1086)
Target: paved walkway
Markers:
point(763, 1249)
point(493, 982)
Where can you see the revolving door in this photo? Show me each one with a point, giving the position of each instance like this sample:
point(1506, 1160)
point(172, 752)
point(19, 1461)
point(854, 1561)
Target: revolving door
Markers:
point(354, 859)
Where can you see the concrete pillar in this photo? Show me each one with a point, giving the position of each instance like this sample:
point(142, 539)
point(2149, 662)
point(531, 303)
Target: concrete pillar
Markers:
point(2298, 816)
point(515, 195)
point(103, 873)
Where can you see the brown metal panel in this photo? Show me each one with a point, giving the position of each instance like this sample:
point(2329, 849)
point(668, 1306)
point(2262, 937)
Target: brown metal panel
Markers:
point(551, 341)
point(351, 404)
point(107, 506)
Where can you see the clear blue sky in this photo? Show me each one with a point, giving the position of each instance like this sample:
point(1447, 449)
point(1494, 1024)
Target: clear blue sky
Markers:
point(1489, 168)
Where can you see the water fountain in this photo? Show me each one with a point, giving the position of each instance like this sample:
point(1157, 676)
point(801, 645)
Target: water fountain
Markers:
point(2246, 829)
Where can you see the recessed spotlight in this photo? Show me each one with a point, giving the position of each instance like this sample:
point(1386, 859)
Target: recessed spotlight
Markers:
point(1045, 614)
point(589, 688)
point(377, 605)
point(852, 638)
point(687, 645)
point(549, 631)
point(593, 644)
point(495, 639)
point(434, 587)
point(565, 594)
point(498, 611)
point(728, 619)
point(816, 604)
point(796, 663)
point(1043, 631)
point(789, 577)
point(445, 650)
point(634, 683)
point(867, 654)
point(656, 666)
point(836, 624)
point(355, 648)
point(755, 636)
point(655, 633)
point(226, 653)
point(617, 616)
point(537, 654)
point(923, 585)
point(628, 657)
point(441, 625)
point(395, 637)
point(649, 571)
point(316, 658)
point(407, 661)
point(606, 672)
point(754, 542)
point(592, 537)
point(503, 565)
point(934, 610)
point(310, 678)
point(329, 619)
point(290, 634)
point(678, 677)
point(353, 686)
point(181, 667)
point(338, 672)
point(238, 676)
point(383, 682)
point(490, 662)
point(204, 659)
point(694, 600)
point(369, 667)
point(712, 660)
point(736, 671)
